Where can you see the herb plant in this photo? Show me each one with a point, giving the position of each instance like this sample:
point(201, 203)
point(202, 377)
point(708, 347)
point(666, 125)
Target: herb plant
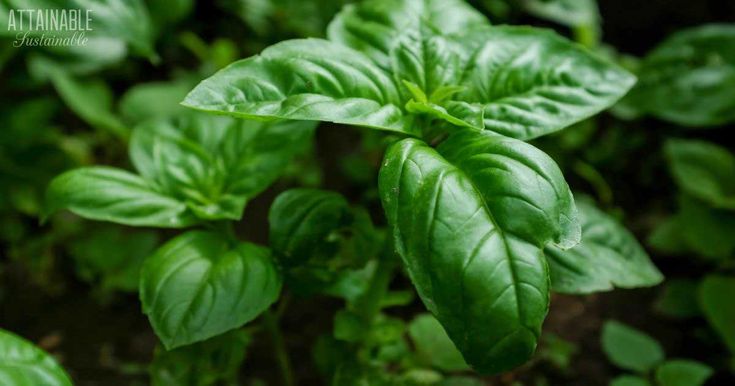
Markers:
point(456, 191)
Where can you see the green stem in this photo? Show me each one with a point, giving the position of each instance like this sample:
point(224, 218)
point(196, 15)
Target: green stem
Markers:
point(594, 178)
point(270, 322)
point(368, 306)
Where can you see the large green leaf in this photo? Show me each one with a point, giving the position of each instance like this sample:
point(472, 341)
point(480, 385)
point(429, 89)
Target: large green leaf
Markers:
point(532, 82)
point(389, 62)
point(470, 221)
point(715, 298)
point(629, 348)
point(703, 170)
point(23, 364)
point(682, 372)
point(689, 79)
point(301, 220)
point(309, 79)
point(199, 285)
point(109, 194)
point(609, 256)
point(215, 164)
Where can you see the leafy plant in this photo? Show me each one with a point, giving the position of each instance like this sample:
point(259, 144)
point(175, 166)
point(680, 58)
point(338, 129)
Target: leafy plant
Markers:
point(633, 350)
point(483, 204)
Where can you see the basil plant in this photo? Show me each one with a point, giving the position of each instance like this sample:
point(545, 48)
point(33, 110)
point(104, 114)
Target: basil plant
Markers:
point(484, 222)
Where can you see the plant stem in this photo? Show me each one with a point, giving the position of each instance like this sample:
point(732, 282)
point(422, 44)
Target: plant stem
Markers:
point(368, 305)
point(270, 321)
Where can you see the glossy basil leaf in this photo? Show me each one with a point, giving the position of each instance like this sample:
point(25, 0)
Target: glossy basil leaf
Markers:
point(199, 285)
point(23, 364)
point(629, 348)
point(215, 164)
point(630, 380)
point(682, 372)
point(389, 62)
point(609, 256)
point(715, 298)
point(703, 170)
point(532, 82)
point(433, 346)
point(309, 79)
point(689, 79)
point(301, 221)
point(470, 221)
point(109, 194)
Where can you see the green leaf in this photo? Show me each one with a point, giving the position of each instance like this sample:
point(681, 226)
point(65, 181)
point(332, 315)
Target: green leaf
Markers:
point(703, 170)
point(706, 231)
point(667, 236)
point(608, 256)
point(301, 221)
point(630, 349)
point(682, 372)
point(629, 380)
point(23, 364)
point(109, 194)
point(90, 100)
point(309, 79)
point(215, 164)
point(114, 268)
point(571, 13)
point(154, 100)
point(679, 299)
point(212, 362)
point(433, 345)
point(689, 79)
point(470, 221)
point(532, 82)
point(384, 58)
point(715, 298)
point(127, 20)
point(199, 285)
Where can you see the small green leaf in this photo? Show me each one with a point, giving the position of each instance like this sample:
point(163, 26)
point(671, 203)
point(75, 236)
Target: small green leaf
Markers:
point(679, 299)
point(109, 194)
point(689, 79)
point(682, 372)
point(715, 298)
point(433, 346)
point(706, 231)
point(469, 220)
point(629, 380)
point(608, 256)
point(91, 100)
point(703, 170)
point(23, 364)
point(301, 220)
point(215, 164)
point(629, 348)
point(154, 100)
point(199, 285)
